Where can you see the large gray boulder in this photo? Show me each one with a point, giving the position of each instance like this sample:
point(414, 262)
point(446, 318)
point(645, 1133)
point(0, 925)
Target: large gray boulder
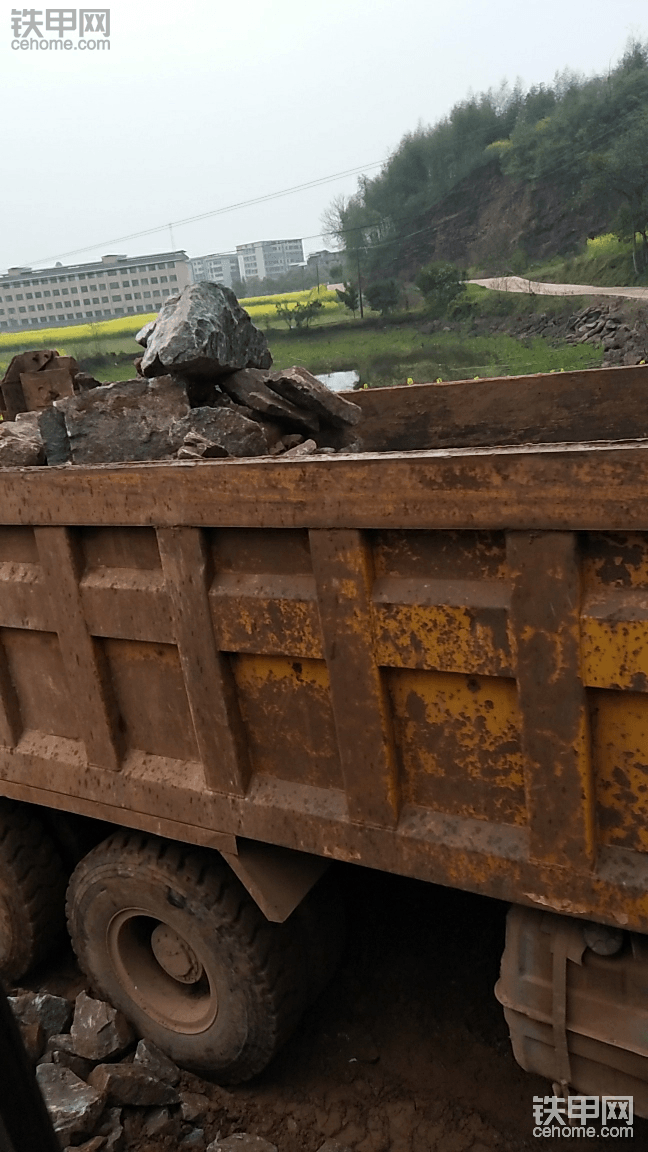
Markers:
point(203, 332)
point(130, 420)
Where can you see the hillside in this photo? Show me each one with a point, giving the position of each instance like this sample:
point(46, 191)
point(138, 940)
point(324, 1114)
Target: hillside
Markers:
point(495, 223)
point(510, 177)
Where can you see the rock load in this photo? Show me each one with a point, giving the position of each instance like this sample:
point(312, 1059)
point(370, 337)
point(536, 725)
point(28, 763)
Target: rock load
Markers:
point(205, 389)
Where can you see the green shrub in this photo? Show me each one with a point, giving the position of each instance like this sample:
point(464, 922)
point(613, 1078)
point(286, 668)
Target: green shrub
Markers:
point(383, 295)
point(440, 284)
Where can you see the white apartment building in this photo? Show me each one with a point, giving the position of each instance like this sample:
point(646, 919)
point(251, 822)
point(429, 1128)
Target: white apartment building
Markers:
point(113, 286)
point(220, 267)
point(268, 258)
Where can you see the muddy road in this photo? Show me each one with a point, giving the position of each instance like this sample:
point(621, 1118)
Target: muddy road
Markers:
point(406, 1051)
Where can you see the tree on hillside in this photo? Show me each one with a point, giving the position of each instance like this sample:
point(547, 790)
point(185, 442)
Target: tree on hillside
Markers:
point(440, 284)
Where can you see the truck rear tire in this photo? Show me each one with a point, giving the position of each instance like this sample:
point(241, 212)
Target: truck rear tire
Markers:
point(32, 891)
point(169, 935)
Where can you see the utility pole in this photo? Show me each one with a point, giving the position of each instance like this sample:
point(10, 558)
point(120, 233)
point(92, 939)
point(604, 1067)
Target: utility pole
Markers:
point(359, 284)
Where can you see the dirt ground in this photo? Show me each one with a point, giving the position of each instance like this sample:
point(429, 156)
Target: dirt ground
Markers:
point(406, 1051)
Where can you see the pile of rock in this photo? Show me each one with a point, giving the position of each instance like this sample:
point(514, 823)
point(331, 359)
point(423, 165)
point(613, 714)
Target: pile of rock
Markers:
point(604, 324)
point(204, 389)
point(102, 1089)
point(107, 1092)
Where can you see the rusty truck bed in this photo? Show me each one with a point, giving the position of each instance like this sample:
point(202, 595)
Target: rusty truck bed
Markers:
point(431, 662)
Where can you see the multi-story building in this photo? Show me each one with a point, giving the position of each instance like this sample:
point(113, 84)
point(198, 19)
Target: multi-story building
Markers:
point(221, 267)
point(268, 258)
point(112, 286)
point(323, 261)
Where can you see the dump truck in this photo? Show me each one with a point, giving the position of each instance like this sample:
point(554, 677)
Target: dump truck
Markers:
point(428, 658)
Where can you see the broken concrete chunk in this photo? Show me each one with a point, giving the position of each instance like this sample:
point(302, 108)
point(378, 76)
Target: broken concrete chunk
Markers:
point(133, 1083)
point(304, 390)
point(74, 1107)
point(204, 332)
point(120, 422)
point(21, 445)
point(250, 387)
point(40, 389)
point(53, 1013)
point(98, 1030)
point(21, 390)
point(223, 428)
point(149, 1056)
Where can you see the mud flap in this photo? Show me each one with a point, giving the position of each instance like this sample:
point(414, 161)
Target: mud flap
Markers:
point(276, 878)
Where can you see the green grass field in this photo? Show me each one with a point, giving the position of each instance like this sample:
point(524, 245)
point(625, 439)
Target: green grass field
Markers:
point(382, 351)
point(401, 353)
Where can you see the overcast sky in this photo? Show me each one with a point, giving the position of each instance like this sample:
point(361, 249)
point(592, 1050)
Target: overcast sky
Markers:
point(203, 104)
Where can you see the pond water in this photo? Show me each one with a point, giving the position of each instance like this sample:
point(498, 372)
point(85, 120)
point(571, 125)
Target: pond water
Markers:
point(340, 381)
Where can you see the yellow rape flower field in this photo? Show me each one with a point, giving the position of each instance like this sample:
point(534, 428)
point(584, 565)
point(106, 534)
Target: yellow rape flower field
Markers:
point(115, 335)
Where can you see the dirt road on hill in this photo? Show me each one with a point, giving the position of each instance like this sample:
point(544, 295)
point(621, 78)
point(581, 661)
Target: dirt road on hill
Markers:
point(538, 288)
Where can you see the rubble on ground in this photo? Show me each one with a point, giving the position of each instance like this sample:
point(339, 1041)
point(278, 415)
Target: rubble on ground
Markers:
point(105, 1091)
point(204, 390)
point(73, 1105)
point(624, 338)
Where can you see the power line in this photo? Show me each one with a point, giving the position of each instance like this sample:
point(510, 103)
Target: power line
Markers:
point(213, 212)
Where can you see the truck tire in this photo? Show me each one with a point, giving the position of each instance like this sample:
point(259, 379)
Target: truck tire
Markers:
point(32, 891)
point(168, 935)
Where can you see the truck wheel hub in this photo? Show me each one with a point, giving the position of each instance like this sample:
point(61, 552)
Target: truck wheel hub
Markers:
point(175, 956)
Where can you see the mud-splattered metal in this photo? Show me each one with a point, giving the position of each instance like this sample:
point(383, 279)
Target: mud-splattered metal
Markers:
point(433, 663)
